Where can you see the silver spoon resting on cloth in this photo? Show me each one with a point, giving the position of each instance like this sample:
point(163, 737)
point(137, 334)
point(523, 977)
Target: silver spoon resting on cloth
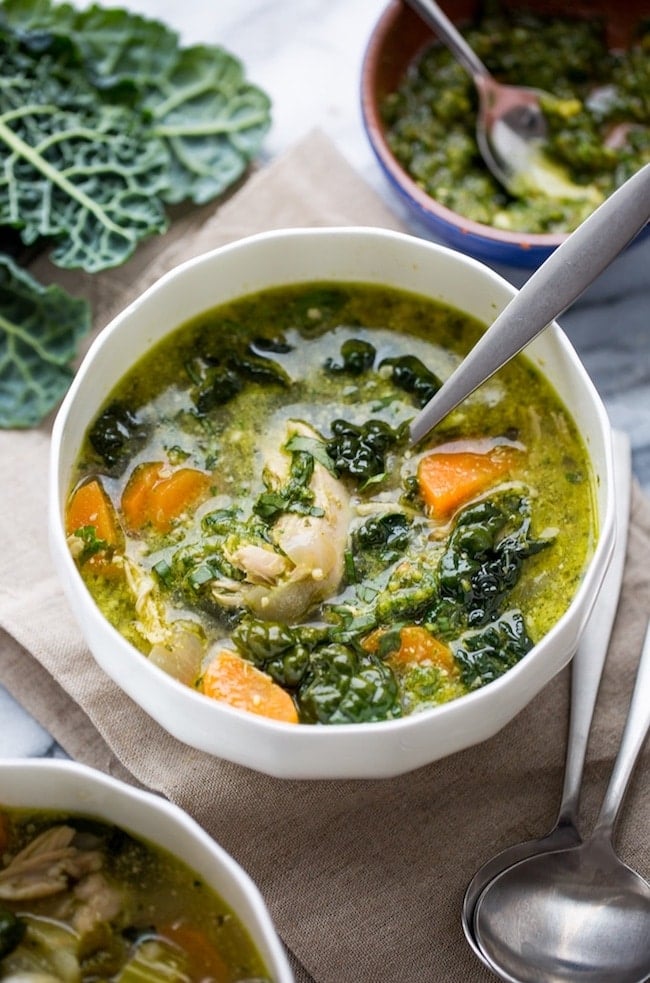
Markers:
point(578, 913)
point(586, 672)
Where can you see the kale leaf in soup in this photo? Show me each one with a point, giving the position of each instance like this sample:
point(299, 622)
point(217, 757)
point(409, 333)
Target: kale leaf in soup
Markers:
point(82, 900)
point(247, 511)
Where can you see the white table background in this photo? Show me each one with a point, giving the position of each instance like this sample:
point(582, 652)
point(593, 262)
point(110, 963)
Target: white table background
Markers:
point(307, 55)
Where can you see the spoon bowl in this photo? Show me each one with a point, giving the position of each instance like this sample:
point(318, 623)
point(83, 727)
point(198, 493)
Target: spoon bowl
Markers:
point(588, 920)
point(579, 913)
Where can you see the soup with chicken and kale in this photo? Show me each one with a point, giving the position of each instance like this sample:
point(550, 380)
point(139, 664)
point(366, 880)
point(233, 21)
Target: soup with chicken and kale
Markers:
point(82, 900)
point(247, 512)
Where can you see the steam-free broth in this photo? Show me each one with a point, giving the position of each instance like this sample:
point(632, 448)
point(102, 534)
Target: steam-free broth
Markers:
point(247, 511)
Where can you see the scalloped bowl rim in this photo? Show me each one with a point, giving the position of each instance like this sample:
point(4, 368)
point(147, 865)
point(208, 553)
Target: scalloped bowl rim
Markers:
point(77, 789)
point(368, 750)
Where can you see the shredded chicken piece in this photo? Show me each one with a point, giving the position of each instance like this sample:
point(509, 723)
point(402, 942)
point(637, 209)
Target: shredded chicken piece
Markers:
point(101, 902)
point(261, 564)
point(307, 561)
point(46, 866)
point(148, 605)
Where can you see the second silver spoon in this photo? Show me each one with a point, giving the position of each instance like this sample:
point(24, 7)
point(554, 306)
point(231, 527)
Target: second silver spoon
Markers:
point(586, 671)
point(581, 913)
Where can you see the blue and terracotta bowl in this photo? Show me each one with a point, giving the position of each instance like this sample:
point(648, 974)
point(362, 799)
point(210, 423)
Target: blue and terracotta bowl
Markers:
point(397, 39)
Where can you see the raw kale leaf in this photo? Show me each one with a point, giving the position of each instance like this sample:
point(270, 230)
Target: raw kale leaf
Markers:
point(210, 119)
point(77, 171)
point(39, 331)
point(105, 118)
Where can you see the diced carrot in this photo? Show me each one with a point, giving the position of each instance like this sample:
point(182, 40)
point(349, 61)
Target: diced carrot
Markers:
point(155, 498)
point(204, 960)
point(449, 479)
point(234, 680)
point(417, 645)
point(89, 505)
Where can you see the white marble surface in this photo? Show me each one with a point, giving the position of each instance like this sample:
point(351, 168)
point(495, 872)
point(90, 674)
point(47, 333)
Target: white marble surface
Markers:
point(307, 54)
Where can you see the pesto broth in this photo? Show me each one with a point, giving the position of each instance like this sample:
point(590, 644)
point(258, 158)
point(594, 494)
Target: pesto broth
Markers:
point(260, 529)
point(598, 117)
point(104, 905)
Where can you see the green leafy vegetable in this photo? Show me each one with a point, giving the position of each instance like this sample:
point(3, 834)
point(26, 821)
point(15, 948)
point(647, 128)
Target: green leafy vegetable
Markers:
point(412, 375)
point(356, 357)
point(485, 655)
point(295, 495)
point(39, 331)
point(104, 118)
point(76, 170)
point(116, 435)
point(211, 120)
point(344, 687)
point(360, 451)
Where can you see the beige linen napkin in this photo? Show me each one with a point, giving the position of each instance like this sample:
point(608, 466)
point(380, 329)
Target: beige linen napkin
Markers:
point(364, 879)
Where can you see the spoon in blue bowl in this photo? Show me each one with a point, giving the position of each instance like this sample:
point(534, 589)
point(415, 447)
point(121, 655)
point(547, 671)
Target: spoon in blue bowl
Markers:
point(552, 288)
point(510, 127)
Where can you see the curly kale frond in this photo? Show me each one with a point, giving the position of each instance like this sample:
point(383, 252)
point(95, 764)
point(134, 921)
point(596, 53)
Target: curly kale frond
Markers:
point(378, 543)
point(342, 687)
point(360, 451)
point(334, 683)
point(484, 556)
point(357, 357)
point(485, 655)
point(116, 435)
point(412, 376)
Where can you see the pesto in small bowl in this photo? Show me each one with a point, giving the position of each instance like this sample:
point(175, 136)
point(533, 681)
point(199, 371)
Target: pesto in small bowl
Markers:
point(598, 115)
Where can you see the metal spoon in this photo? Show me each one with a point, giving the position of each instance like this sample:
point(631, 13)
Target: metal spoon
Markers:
point(586, 672)
point(550, 290)
point(510, 126)
point(579, 913)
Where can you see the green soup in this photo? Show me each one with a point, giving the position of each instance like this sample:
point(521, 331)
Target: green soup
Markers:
point(247, 511)
point(82, 901)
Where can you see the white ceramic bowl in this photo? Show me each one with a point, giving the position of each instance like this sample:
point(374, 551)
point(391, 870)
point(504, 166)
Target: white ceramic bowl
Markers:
point(74, 788)
point(354, 254)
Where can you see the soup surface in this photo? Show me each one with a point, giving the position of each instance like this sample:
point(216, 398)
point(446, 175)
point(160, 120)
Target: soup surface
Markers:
point(598, 115)
point(82, 901)
point(247, 512)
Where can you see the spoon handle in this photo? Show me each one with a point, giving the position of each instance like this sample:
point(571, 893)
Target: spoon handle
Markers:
point(589, 660)
point(636, 730)
point(438, 21)
point(550, 290)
